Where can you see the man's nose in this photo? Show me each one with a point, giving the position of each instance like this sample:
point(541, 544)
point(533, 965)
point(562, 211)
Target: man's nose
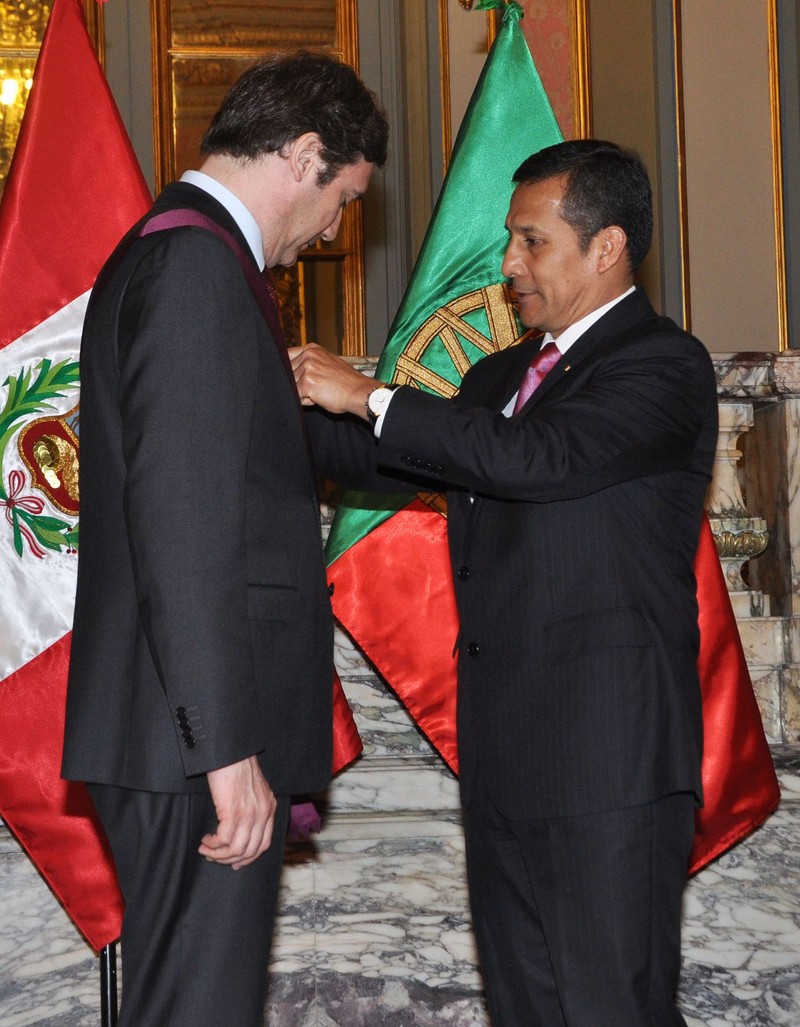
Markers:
point(510, 262)
point(332, 230)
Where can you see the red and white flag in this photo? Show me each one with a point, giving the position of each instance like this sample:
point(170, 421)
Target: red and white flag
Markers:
point(73, 190)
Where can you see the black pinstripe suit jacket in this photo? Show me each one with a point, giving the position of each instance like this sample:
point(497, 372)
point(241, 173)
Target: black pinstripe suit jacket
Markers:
point(573, 529)
point(203, 628)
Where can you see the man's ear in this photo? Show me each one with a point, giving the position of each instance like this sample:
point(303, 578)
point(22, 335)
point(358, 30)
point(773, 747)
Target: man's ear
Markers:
point(304, 155)
point(612, 246)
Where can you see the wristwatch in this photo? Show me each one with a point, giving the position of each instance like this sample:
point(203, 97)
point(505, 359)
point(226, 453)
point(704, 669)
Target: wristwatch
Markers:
point(377, 401)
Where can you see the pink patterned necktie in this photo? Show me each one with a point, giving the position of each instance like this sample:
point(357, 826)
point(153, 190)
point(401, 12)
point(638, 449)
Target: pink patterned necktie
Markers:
point(547, 357)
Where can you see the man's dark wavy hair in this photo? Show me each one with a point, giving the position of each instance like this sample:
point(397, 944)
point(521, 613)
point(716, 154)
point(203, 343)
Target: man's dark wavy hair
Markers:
point(288, 94)
point(605, 185)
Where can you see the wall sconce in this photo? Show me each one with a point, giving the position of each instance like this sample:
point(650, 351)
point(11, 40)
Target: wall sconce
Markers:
point(22, 25)
point(15, 84)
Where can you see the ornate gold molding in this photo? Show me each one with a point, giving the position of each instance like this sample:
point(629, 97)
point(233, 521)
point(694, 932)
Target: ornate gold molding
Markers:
point(163, 106)
point(96, 24)
point(444, 78)
point(777, 176)
point(680, 138)
point(581, 69)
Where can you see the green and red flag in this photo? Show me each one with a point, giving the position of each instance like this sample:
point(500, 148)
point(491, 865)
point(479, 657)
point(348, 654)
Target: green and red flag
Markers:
point(456, 310)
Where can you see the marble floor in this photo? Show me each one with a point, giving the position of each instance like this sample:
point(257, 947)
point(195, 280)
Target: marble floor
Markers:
point(374, 930)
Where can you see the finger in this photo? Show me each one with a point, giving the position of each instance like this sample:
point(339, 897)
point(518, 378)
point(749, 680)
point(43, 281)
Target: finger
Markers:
point(263, 844)
point(238, 855)
point(219, 852)
point(227, 854)
point(230, 841)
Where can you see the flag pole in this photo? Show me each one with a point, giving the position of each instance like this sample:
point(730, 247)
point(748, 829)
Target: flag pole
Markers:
point(108, 985)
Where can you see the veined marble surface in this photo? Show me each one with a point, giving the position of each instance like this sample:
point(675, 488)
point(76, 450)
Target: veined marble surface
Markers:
point(374, 930)
point(374, 925)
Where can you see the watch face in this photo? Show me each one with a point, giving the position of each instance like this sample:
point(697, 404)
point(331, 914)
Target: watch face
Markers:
point(372, 413)
point(376, 399)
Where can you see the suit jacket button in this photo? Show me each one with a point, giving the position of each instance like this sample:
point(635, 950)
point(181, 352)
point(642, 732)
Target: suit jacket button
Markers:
point(463, 573)
point(473, 649)
point(331, 589)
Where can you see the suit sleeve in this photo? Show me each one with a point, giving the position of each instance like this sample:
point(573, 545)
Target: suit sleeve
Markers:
point(346, 451)
point(188, 361)
point(638, 413)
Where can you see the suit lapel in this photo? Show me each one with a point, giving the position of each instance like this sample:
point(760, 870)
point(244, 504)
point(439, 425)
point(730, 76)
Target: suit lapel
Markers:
point(507, 380)
point(180, 195)
point(183, 194)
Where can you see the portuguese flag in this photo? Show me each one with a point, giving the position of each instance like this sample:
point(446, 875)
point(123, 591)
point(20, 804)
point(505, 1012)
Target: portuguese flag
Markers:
point(455, 311)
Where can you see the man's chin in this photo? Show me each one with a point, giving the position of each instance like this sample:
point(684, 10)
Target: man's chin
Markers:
point(530, 313)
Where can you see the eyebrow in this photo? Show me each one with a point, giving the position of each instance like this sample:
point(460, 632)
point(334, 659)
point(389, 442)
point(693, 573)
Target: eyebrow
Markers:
point(524, 228)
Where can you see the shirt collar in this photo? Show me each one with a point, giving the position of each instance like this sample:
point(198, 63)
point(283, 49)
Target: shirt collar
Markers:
point(245, 221)
point(575, 331)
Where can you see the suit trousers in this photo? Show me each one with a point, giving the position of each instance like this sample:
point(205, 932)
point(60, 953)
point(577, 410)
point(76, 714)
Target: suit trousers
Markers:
point(196, 935)
point(577, 918)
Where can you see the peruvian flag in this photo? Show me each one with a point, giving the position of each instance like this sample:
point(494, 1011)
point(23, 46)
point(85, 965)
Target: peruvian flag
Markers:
point(73, 190)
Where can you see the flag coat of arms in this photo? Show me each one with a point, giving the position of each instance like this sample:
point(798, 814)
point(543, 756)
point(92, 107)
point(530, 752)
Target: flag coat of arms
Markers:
point(73, 190)
point(456, 310)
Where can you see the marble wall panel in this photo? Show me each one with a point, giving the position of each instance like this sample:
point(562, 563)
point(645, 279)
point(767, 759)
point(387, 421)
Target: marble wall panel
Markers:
point(768, 688)
point(764, 640)
point(791, 704)
point(766, 475)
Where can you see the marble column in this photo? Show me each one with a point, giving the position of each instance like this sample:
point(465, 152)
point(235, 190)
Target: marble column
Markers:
point(739, 536)
point(766, 478)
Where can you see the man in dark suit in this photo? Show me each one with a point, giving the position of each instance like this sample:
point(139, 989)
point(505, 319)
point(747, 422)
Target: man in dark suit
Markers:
point(200, 684)
point(574, 516)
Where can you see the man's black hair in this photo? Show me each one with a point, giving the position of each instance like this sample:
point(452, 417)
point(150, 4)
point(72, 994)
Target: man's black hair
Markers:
point(605, 185)
point(288, 94)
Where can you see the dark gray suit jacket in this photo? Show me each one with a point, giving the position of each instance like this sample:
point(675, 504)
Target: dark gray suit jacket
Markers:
point(573, 529)
point(203, 629)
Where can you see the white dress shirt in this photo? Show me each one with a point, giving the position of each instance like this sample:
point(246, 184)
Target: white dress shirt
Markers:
point(245, 221)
